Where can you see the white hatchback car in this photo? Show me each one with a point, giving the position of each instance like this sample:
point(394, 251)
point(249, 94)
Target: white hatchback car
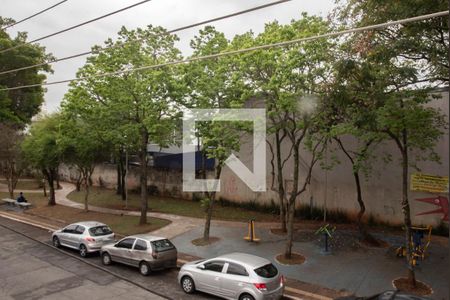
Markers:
point(86, 237)
point(233, 276)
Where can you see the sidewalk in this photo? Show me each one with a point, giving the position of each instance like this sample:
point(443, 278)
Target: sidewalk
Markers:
point(294, 289)
point(363, 272)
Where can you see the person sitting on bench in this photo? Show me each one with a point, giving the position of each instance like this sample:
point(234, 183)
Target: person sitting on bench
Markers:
point(21, 198)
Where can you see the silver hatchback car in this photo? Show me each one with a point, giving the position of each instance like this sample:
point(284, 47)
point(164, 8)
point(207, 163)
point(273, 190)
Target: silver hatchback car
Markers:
point(147, 252)
point(86, 237)
point(233, 276)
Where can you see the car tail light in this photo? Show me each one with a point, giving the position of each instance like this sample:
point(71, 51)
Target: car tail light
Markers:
point(89, 239)
point(155, 255)
point(282, 280)
point(261, 286)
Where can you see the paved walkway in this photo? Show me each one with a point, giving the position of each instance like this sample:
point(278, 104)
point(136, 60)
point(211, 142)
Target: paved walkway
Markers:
point(364, 272)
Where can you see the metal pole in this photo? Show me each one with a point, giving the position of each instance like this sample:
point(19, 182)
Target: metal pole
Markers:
point(126, 179)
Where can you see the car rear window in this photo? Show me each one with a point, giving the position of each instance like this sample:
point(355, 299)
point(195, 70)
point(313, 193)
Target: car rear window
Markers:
point(267, 271)
point(100, 230)
point(162, 245)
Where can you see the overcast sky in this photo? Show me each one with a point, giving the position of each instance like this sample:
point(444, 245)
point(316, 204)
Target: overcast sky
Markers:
point(167, 13)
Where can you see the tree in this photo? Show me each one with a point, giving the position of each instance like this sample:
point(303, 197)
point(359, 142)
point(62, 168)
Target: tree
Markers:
point(399, 64)
point(213, 84)
point(11, 162)
point(133, 107)
point(19, 106)
point(428, 53)
point(290, 81)
point(42, 151)
point(82, 147)
point(348, 118)
point(412, 126)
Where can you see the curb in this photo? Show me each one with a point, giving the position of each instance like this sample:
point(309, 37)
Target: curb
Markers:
point(179, 261)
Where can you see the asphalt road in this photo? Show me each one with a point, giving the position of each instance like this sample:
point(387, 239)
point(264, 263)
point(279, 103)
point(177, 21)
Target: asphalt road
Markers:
point(32, 270)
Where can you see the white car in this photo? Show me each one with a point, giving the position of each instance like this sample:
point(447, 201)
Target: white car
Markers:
point(86, 237)
point(233, 276)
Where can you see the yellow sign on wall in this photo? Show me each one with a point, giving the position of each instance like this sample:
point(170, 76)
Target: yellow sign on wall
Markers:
point(429, 183)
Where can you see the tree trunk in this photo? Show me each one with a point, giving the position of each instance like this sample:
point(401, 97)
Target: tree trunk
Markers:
point(209, 212)
point(119, 179)
point(123, 184)
point(45, 189)
point(406, 210)
point(290, 229)
point(281, 192)
point(58, 186)
point(362, 207)
point(291, 203)
point(79, 181)
point(86, 191)
point(143, 176)
point(50, 176)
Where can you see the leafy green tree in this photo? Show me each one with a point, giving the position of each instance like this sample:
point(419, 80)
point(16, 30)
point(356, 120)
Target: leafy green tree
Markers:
point(423, 44)
point(19, 106)
point(11, 161)
point(349, 122)
point(394, 112)
point(398, 64)
point(82, 146)
point(133, 108)
point(42, 151)
point(415, 129)
point(291, 81)
point(213, 84)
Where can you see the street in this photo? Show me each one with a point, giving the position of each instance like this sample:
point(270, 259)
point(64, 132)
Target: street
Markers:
point(31, 270)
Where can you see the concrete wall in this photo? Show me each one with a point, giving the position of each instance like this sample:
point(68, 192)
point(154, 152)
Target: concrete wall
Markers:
point(334, 189)
point(168, 183)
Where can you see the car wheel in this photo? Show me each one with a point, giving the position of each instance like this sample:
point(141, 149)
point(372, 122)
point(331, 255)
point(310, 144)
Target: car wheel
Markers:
point(83, 251)
point(56, 242)
point(246, 297)
point(187, 284)
point(106, 259)
point(144, 268)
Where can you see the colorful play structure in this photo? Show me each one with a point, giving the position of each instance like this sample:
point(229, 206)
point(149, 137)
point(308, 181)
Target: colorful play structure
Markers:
point(418, 234)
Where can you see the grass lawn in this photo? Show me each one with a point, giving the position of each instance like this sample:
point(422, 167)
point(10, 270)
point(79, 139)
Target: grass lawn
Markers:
point(124, 225)
point(107, 198)
point(24, 185)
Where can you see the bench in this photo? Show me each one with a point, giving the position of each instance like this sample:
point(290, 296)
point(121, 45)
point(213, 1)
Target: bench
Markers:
point(9, 201)
point(23, 205)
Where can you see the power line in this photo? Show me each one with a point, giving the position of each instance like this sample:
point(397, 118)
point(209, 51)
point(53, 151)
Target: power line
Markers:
point(75, 26)
point(170, 31)
point(34, 15)
point(239, 51)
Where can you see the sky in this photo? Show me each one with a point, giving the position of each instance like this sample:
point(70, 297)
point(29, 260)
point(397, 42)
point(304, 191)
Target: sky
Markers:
point(167, 13)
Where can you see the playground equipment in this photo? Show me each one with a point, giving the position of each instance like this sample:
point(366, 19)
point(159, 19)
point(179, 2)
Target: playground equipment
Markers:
point(327, 231)
point(440, 201)
point(251, 237)
point(419, 247)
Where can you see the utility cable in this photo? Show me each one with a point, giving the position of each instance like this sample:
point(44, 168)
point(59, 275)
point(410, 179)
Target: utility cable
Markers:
point(170, 31)
point(34, 15)
point(75, 26)
point(245, 50)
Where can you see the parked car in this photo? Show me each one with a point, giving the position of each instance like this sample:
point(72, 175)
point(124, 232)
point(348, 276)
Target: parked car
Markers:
point(147, 252)
point(86, 237)
point(233, 276)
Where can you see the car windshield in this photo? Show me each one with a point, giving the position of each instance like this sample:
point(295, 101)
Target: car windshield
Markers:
point(162, 245)
point(267, 271)
point(100, 230)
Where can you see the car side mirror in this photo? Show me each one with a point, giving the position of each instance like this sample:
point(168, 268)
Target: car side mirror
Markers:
point(201, 267)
